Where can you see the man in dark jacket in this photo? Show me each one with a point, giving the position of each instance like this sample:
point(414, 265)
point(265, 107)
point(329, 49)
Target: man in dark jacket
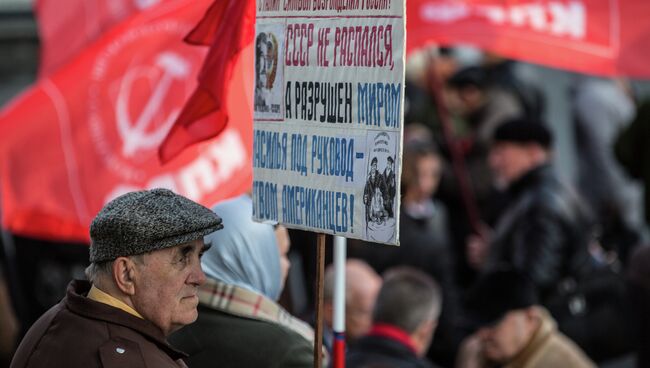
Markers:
point(145, 271)
point(404, 320)
point(544, 230)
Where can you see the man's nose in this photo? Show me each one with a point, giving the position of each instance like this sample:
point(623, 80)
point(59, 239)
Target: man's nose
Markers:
point(197, 277)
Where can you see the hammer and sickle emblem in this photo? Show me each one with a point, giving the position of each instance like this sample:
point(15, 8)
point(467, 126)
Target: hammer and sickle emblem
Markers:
point(135, 136)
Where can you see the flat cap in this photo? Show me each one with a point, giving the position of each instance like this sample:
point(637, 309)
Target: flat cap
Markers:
point(521, 130)
point(148, 220)
point(498, 292)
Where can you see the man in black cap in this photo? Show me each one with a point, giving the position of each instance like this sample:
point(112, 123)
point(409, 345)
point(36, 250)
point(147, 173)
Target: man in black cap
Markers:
point(144, 274)
point(544, 230)
point(514, 331)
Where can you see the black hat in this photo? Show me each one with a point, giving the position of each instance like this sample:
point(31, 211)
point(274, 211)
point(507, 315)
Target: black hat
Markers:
point(522, 130)
point(497, 293)
point(148, 220)
point(471, 76)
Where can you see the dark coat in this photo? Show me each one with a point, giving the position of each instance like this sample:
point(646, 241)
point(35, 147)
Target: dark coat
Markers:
point(633, 151)
point(80, 332)
point(378, 351)
point(544, 232)
point(223, 340)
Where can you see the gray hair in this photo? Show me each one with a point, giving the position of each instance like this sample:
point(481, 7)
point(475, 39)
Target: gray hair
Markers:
point(97, 270)
point(407, 299)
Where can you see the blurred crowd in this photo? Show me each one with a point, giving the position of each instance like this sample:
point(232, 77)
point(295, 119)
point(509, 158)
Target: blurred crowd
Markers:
point(503, 261)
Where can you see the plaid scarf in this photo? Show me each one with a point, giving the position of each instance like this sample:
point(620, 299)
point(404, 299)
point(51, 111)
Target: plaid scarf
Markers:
point(246, 303)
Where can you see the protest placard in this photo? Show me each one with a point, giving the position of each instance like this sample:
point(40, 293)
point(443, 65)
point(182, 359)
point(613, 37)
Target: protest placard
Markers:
point(328, 100)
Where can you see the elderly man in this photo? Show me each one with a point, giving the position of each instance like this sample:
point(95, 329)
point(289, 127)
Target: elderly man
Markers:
point(145, 270)
point(362, 285)
point(404, 320)
point(515, 332)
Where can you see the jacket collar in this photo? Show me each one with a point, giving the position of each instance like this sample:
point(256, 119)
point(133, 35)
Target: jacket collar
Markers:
point(531, 178)
point(77, 302)
point(393, 333)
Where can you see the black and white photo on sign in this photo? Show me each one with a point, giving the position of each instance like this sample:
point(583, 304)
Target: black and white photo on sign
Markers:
point(268, 71)
point(380, 190)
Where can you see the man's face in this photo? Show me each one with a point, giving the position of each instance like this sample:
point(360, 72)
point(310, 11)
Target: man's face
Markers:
point(358, 320)
point(263, 64)
point(466, 100)
point(429, 169)
point(509, 161)
point(166, 285)
point(501, 342)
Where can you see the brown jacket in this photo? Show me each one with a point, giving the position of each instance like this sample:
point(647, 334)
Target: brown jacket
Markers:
point(550, 348)
point(79, 332)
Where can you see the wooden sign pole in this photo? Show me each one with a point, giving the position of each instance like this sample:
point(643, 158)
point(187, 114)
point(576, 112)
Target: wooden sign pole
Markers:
point(320, 278)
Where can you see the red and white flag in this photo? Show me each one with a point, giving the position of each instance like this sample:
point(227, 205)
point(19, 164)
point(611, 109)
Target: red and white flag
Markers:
point(91, 130)
point(63, 34)
point(601, 37)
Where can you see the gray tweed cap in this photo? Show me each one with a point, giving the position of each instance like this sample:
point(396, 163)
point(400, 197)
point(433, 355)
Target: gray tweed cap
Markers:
point(148, 220)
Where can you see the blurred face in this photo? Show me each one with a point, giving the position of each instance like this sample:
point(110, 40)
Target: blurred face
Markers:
point(166, 285)
point(284, 243)
point(509, 336)
point(509, 161)
point(428, 175)
point(465, 101)
point(426, 178)
point(359, 306)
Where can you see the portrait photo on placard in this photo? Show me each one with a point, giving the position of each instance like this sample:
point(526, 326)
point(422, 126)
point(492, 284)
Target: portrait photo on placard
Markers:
point(269, 53)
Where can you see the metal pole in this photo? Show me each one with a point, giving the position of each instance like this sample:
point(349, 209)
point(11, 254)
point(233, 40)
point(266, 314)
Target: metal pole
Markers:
point(340, 244)
point(320, 278)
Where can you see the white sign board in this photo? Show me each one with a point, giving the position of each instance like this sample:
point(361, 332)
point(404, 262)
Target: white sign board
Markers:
point(328, 110)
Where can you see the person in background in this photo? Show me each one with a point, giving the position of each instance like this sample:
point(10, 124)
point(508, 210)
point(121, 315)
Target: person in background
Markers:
point(144, 274)
point(424, 240)
point(240, 323)
point(514, 330)
point(633, 152)
point(404, 320)
point(362, 285)
point(544, 229)
point(601, 109)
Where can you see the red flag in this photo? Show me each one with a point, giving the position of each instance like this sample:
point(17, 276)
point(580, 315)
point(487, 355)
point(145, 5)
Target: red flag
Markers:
point(91, 130)
point(227, 27)
point(82, 22)
point(599, 37)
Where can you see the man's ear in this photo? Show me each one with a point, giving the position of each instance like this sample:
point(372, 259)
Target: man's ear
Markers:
point(124, 275)
point(427, 328)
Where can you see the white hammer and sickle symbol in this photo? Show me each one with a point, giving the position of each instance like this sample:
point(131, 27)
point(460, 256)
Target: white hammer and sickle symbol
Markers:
point(135, 136)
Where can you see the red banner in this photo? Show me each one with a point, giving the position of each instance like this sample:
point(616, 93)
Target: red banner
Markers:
point(82, 22)
point(91, 130)
point(602, 37)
